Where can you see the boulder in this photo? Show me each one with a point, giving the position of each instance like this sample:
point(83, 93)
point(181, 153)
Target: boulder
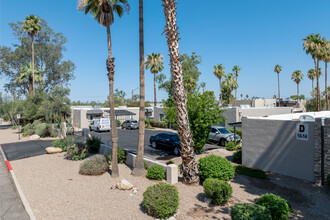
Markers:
point(53, 150)
point(124, 185)
point(35, 137)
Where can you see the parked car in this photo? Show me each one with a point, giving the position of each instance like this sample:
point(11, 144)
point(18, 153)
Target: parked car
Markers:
point(102, 124)
point(167, 140)
point(130, 124)
point(221, 135)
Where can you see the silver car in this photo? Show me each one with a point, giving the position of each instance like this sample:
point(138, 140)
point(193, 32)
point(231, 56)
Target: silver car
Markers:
point(221, 135)
point(130, 124)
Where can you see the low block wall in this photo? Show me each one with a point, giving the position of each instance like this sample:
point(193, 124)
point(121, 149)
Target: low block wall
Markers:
point(172, 174)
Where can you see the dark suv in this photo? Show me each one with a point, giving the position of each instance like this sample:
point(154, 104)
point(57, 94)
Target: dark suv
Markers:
point(130, 124)
point(167, 140)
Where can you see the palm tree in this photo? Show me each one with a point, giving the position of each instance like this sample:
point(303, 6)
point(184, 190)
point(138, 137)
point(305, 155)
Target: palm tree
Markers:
point(297, 76)
point(189, 164)
point(236, 69)
point(229, 83)
point(32, 26)
point(103, 11)
point(312, 45)
point(278, 69)
point(27, 74)
point(155, 64)
point(326, 59)
point(311, 76)
point(219, 72)
point(139, 163)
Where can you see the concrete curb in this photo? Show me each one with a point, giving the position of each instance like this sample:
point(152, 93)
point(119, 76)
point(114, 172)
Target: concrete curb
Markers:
point(18, 187)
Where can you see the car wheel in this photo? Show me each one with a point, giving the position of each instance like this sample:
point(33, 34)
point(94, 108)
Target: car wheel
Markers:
point(122, 127)
point(222, 142)
point(98, 130)
point(154, 144)
point(176, 151)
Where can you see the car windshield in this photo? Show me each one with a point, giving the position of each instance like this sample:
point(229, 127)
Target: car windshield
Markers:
point(174, 137)
point(224, 131)
point(134, 122)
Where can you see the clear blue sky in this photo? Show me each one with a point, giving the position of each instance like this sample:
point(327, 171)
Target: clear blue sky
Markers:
point(255, 35)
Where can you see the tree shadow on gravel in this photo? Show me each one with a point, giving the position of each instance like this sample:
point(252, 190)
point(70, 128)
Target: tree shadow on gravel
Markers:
point(210, 211)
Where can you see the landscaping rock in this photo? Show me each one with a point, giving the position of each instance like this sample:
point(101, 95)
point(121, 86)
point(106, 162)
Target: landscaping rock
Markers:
point(53, 150)
point(124, 185)
point(35, 137)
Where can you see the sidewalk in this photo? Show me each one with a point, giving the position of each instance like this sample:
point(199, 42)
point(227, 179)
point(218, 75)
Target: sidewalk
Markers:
point(11, 206)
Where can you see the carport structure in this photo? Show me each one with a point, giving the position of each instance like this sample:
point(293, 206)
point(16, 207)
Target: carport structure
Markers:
point(121, 114)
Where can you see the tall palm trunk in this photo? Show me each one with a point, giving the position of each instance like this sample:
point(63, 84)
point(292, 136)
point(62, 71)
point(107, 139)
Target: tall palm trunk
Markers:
point(114, 134)
point(326, 86)
point(318, 101)
point(220, 91)
point(278, 85)
point(312, 85)
point(189, 164)
point(297, 93)
point(30, 85)
point(229, 94)
point(236, 92)
point(33, 89)
point(155, 99)
point(139, 163)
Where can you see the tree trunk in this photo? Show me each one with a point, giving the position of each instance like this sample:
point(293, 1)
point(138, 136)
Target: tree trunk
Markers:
point(33, 89)
point(326, 87)
point(114, 134)
point(278, 85)
point(318, 102)
point(189, 164)
point(30, 86)
point(139, 163)
point(297, 93)
point(229, 94)
point(312, 85)
point(236, 91)
point(155, 99)
point(220, 91)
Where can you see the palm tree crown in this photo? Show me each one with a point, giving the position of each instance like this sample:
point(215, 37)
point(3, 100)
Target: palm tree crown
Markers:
point(26, 73)
point(219, 71)
point(229, 83)
point(236, 69)
point(277, 69)
point(311, 74)
point(31, 25)
point(297, 76)
point(154, 62)
point(103, 10)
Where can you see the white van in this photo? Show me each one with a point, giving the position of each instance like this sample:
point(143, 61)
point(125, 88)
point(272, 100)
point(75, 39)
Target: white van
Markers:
point(102, 124)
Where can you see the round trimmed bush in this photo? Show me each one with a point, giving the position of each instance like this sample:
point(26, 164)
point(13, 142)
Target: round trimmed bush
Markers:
point(156, 172)
point(237, 157)
point(243, 211)
point(95, 165)
point(230, 146)
point(217, 190)
point(93, 144)
point(121, 155)
point(42, 130)
point(161, 200)
point(278, 207)
point(215, 167)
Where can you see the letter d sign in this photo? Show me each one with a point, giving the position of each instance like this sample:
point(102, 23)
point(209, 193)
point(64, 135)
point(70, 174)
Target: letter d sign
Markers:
point(301, 128)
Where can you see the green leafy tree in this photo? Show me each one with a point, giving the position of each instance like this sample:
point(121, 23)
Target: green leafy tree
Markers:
point(229, 84)
point(103, 11)
point(297, 76)
point(325, 53)
point(278, 69)
point(49, 63)
point(294, 97)
point(32, 26)
point(219, 72)
point(154, 62)
point(236, 69)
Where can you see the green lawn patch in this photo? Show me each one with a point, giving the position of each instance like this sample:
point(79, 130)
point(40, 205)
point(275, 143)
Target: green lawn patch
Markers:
point(246, 171)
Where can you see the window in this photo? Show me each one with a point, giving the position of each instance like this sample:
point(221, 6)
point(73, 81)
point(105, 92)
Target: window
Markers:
point(213, 130)
point(127, 117)
point(224, 131)
point(161, 116)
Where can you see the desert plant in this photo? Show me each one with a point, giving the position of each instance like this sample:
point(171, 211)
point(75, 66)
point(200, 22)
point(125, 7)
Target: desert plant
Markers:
point(43, 130)
point(217, 190)
point(244, 211)
point(121, 155)
point(14, 127)
point(59, 143)
point(161, 200)
point(95, 165)
point(215, 167)
point(93, 144)
point(25, 134)
point(230, 146)
point(278, 207)
point(54, 134)
point(237, 157)
point(246, 171)
point(146, 167)
point(118, 123)
point(156, 172)
point(76, 152)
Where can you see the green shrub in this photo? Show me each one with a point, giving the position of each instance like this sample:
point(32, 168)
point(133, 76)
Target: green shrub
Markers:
point(217, 190)
point(215, 167)
point(29, 129)
point(231, 146)
point(121, 155)
point(246, 171)
point(328, 179)
point(238, 132)
point(25, 134)
point(239, 147)
point(93, 144)
point(146, 167)
point(170, 162)
point(36, 123)
point(54, 134)
point(161, 200)
point(278, 207)
point(76, 152)
point(156, 172)
point(43, 130)
point(14, 127)
point(59, 143)
point(158, 124)
point(95, 165)
point(245, 211)
point(118, 123)
point(237, 157)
